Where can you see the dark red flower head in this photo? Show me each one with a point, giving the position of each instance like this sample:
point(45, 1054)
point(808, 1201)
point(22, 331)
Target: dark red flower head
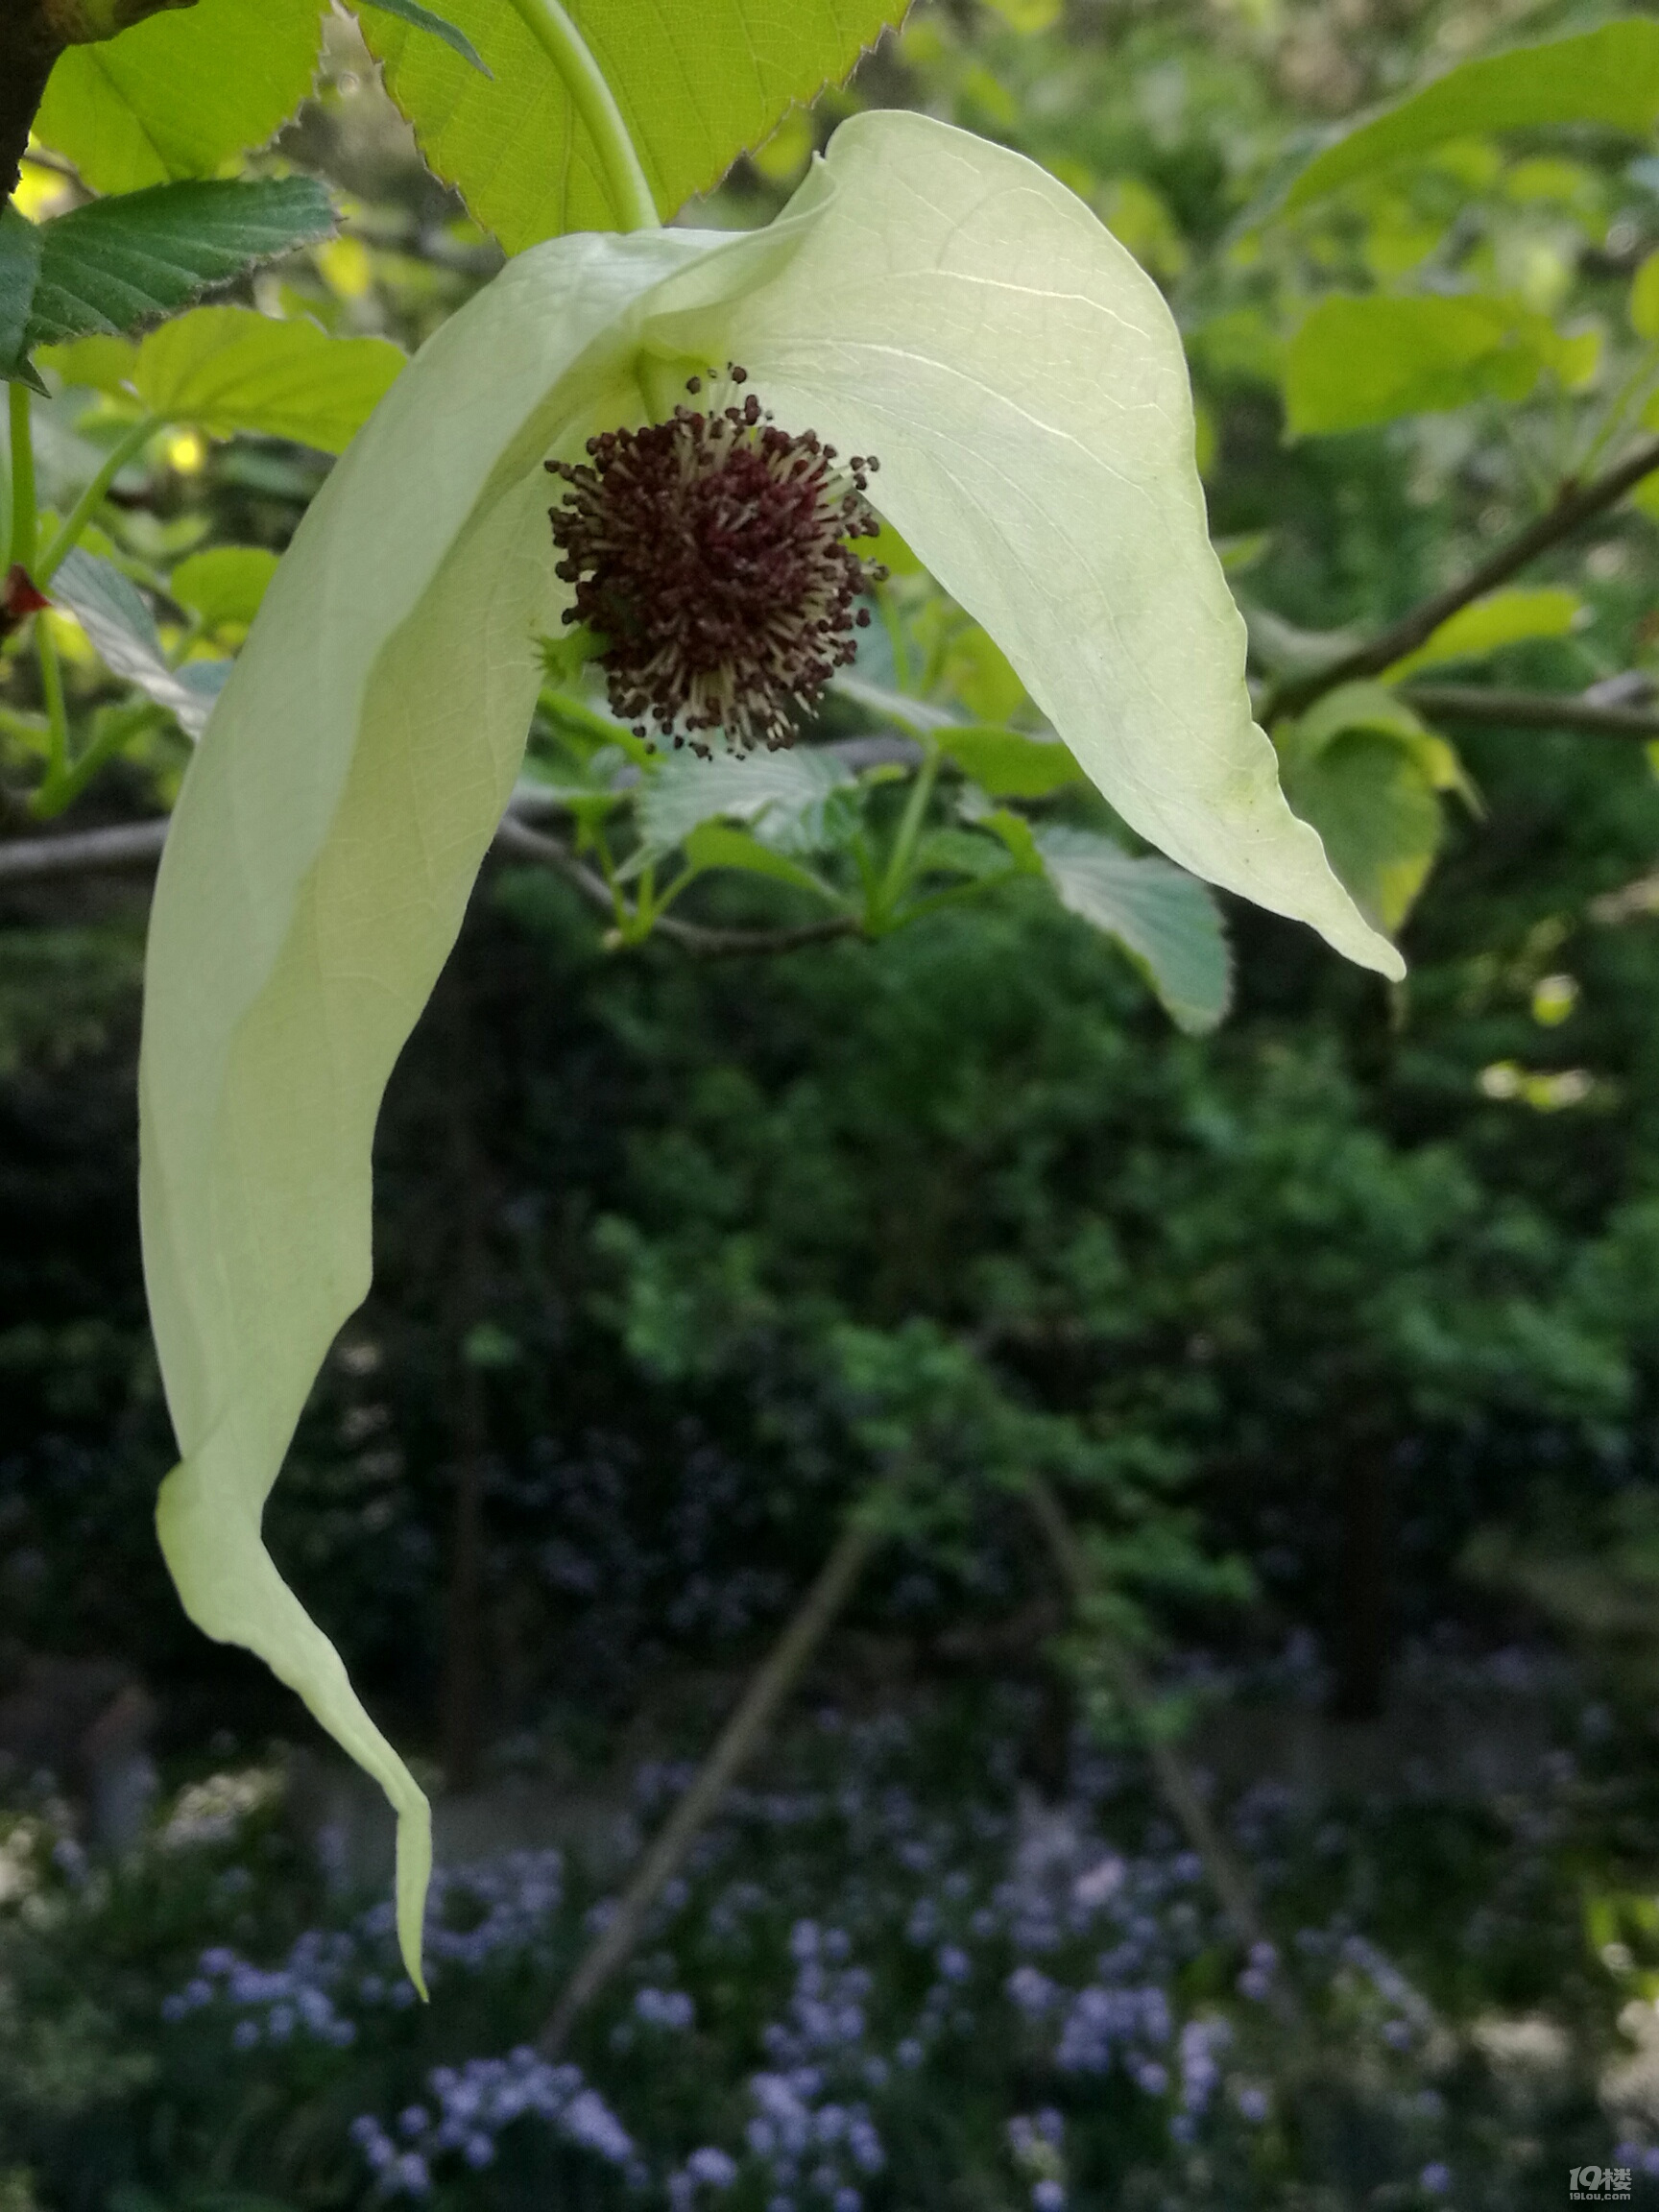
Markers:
point(708, 553)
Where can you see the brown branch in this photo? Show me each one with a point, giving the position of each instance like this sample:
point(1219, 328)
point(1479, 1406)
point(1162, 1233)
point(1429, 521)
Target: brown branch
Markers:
point(1575, 505)
point(738, 1740)
point(1228, 1879)
point(519, 842)
point(1529, 709)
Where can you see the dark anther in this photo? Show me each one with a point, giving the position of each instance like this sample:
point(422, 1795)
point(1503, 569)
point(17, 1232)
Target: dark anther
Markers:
point(710, 554)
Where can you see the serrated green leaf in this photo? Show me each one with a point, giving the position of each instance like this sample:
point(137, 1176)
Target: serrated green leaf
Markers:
point(1009, 764)
point(696, 84)
point(224, 583)
point(420, 18)
point(116, 263)
point(1164, 919)
point(782, 795)
point(181, 93)
point(232, 369)
point(1610, 76)
point(19, 273)
point(717, 845)
point(122, 628)
point(1501, 618)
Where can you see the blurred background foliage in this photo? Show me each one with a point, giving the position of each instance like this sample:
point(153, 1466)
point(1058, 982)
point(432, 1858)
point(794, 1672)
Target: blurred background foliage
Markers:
point(1335, 1325)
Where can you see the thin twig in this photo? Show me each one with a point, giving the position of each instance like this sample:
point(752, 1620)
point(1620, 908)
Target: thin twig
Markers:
point(1574, 506)
point(738, 1738)
point(139, 845)
point(82, 852)
point(1231, 1884)
point(1529, 709)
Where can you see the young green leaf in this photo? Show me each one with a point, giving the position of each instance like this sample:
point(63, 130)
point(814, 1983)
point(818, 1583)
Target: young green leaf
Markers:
point(226, 583)
point(181, 93)
point(717, 845)
point(123, 630)
point(231, 369)
point(926, 293)
point(1610, 76)
point(696, 86)
point(1357, 361)
point(116, 263)
point(1164, 918)
point(420, 18)
point(1008, 764)
point(1501, 618)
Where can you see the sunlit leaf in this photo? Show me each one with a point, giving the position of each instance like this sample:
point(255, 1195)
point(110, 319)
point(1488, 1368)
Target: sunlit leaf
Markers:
point(181, 94)
point(1008, 764)
point(1164, 918)
point(231, 368)
point(1357, 361)
point(1501, 618)
point(1610, 76)
point(696, 86)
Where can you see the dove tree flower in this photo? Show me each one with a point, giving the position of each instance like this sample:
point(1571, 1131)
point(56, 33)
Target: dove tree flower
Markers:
point(925, 297)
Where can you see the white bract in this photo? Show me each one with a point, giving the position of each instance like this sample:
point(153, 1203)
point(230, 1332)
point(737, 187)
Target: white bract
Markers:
point(925, 297)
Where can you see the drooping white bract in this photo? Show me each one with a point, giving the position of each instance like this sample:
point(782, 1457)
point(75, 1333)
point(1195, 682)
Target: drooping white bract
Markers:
point(927, 297)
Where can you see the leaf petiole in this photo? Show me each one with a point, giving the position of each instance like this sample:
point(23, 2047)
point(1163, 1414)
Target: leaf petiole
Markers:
point(24, 522)
point(880, 912)
point(68, 534)
point(596, 108)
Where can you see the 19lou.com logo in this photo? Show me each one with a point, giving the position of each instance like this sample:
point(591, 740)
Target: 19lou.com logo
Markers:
point(1598, 2184)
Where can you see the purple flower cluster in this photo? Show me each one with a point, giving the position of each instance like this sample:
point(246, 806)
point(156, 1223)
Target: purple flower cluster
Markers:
point(474, 2104)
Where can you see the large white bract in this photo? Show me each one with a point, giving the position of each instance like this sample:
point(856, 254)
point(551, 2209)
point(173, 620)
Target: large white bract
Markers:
point(927, 297)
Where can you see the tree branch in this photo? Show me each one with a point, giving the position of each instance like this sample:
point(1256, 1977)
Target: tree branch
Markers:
point(1228, 1879)
point(1529, 709)
point(1574, 505)
point(742, 1733)
point(82, 852)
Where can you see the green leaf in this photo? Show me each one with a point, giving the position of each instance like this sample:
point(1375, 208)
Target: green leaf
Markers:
point(696, 88)
point(960, 853)
point(1645, 299)
point(115, 263)
point(223, 585)
point(1367, 773)
point(1357, 361)
point(231, 369)
point(19, 272)
point(1501, 618)
point(783, 796)
point(123, 631)
point(1008, 764)
point(715, 845)
point(98, 364)
point(1609, 76)
point(181, 94)
point(1164, 918)
point(423, 19)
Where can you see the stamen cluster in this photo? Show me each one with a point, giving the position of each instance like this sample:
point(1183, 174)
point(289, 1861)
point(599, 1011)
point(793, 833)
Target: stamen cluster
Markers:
point(708, 553)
